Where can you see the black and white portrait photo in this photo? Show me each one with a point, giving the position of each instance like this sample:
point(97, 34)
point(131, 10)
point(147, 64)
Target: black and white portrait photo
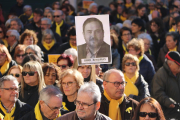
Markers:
point(93, 39)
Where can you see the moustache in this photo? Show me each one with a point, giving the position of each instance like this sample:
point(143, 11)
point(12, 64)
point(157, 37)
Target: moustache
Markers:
point(80, 111)
point(121, 90)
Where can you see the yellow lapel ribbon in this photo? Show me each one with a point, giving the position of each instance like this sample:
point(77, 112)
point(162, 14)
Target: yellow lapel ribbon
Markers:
point(8, 116)
point(48, 46)
point(118, 16)
point(114, 109)
point(140, 58)
point(174, 49)
point(122, 18)
point(130, 87)
point(128, 5)
point(58, 28)
point(129, 109)
point(72, 46)
point(4, 68)
point(64, 106)
point(38, 113)
point(30, 17)
point(124, 48)
point(5, 42)
point(158, 40)
point(150, 53)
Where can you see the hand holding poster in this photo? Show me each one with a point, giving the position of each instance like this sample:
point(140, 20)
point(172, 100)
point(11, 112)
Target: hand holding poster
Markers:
point(93, 39)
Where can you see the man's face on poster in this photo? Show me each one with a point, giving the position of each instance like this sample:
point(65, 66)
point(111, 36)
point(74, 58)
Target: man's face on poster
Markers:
point(93, 34)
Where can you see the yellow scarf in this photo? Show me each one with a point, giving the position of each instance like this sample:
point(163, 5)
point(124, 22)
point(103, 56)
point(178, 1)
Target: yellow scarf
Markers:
point(58, 28)
point(48, 46)
point(140, 58)
point(8, 116)
point(38, 113)
point(64, 106)
point(128, 5)
point(130, 87)
point(5, 42)
point(114, 110)
point(150, 52)
point(122, 18)
point(174, 49)
point(151, 11)
point(71, 13)
point(172, 30)
point(4, 68)
point(124, 48)
point(72, 46)
point(30, 17)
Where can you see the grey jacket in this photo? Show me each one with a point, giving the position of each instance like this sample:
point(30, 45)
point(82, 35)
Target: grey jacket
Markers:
point(73, 116)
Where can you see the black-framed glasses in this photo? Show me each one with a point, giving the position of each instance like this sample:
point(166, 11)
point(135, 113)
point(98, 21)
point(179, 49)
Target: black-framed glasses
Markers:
point(128, 64)
point(151, 114)
point(69, 84)
point(128, 34)
point(56, 16)
point(11, 89)
point(1, 31)
point(117, 84)
point(84, 105)
point(54, 109)
point(20, 55)
point(28, 53)
point(31, 73)
point(15, 75)
point(63, 66)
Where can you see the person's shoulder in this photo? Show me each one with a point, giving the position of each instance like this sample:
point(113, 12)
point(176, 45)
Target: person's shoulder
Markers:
point(68, 116)
point(103, 117)
point(82, 46)
point(131, 101)
point(29, 116)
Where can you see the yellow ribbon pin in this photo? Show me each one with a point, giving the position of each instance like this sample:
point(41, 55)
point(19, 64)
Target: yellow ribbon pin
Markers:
point(128, 109)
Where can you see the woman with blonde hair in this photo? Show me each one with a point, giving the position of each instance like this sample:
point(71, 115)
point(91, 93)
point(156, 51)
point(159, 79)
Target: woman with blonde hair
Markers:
point(136, 87)
point(6, 61)
point(32, 83)
point(70, 82)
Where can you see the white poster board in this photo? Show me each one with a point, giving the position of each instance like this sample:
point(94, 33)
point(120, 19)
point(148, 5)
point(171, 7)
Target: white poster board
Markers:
point(93, 39)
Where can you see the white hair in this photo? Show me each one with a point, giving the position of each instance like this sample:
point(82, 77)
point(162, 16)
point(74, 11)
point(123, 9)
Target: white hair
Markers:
point(14, 33)
point(26, 7)
point(7, 78)
point(19, 22)
point(92, 89)
point(71, 51)
point(48, 8)
point(127, 23)
point(145, 36)
point(92, 4)
point(46, 19)
point(36, 49)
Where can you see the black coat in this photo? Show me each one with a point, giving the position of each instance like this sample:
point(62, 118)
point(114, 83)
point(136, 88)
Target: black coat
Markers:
point(63, 47)
point(18, 10)
point(13, 51)
point(12, 63)
point(32, 26)
point(31, 95)
point(21, 110)
point(127, 102)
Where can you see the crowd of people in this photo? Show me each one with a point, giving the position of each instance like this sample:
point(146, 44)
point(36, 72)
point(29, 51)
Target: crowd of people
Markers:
point(141, 83)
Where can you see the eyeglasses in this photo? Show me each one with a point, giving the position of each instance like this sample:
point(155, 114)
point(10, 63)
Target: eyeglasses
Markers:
point(63, 66)
point(84, 105)
point(71, 39)
point(151, 114)
point(3, 54)
point(28, 53)
point(54, 109)
point(117, 84)
point(126, 34)
point(11, 89)
point(69, 84)
point(31, 73)
point(1, 31)
point(15, 75)
point(56, 16)
point(128, 64)
point(20, 55)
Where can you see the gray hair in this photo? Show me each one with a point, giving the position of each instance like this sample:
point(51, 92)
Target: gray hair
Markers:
point(92, 89)
point(59, 11)
point(145, 36)
point(116, 28)
point(18, 22)
point(48, 8)
point(151, 2)
point(7, 78)
point(46, 19)
point(14, 33)
point(92, 4)
point(71, 51)
point(26, 7)
point(127, 23)
point(139, 1)
point(108, 73)
point(47, 32)
point(36, 49)
point(48, 92)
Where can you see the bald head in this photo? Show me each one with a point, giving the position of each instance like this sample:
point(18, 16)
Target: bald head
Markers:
point(155, 14)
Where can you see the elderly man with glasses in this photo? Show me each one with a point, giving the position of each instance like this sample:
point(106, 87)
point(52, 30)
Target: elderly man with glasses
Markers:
point(114, 102)
point(87, 104)
point(49, 105)
point(10, 106)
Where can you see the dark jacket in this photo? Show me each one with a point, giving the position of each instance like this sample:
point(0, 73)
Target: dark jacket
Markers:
point(63, 47)
point(142, 86)
point(32, 26)
point(73, 116)
point(162, 54)
point(53, 50)
point(104, 51)
point(64, 28)
point(115, 59)
point(13, 51)
point(127, 102)
point(21, 110)
point(166, 90)
point(31, 95)
point(12, 63)
point(146, 69)
point(18, 10)
point(121, 52)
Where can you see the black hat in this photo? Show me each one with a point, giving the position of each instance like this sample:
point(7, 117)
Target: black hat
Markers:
point(173, 56)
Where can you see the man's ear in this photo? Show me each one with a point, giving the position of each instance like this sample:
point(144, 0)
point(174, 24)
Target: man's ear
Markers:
point(41, 102)
point(98, 104)
point(104, 84)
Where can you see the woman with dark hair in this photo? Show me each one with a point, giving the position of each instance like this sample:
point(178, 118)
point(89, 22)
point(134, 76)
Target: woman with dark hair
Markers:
point(19, 53)
point(148, 109)
point(16, 71)
point(172, 44)
point(6, 61)
point(30, 57)
point(65, 62)
point(51, 73)
point(141, 12)
point(138, 27)
point(3, 34)
point(157, 34)
point(56, 5)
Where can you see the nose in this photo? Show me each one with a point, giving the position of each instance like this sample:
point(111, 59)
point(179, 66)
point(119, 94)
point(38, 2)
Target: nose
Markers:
point(147, 117)
point(57, 111)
